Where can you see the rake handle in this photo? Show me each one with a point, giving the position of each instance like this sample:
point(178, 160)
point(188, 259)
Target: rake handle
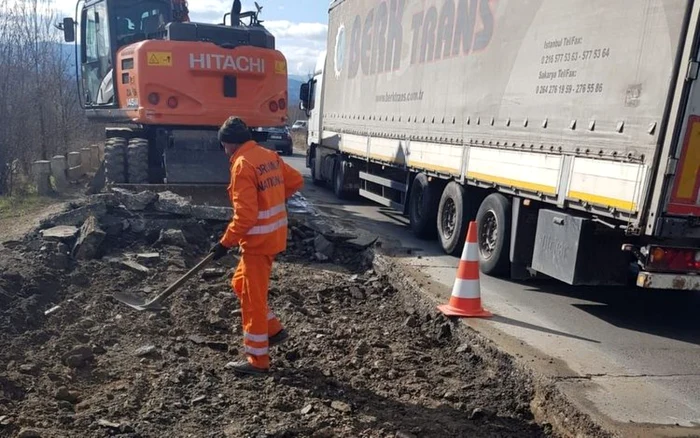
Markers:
point(180, 281)
point(190, 273)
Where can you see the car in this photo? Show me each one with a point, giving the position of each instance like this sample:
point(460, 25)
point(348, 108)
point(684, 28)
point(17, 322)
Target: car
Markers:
point(300, 125)
point(276, 138)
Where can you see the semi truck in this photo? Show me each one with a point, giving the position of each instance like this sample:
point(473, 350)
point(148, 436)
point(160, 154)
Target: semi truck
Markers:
point(569, 130)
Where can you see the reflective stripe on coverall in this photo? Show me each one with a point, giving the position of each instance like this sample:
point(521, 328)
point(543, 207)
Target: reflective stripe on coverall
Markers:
point(260, 184)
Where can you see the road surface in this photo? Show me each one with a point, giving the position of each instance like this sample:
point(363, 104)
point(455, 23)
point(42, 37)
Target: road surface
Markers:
point(628, 357)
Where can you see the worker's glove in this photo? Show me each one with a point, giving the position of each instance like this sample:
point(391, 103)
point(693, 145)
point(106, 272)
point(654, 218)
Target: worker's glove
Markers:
point(219, 250)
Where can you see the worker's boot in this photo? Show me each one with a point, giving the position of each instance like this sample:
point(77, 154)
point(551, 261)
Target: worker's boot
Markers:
point(279, 338)
point(245, 367)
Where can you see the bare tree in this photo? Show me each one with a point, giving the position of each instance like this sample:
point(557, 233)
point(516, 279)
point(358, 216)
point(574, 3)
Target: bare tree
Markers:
point(39, 112)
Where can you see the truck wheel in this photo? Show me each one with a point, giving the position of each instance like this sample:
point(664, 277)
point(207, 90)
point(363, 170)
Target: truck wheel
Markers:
point(339, 177)
point(422, 207)
point(494, 222)
point(137, 161)
point(452, 218)
point(312, 167)
point(115, 161)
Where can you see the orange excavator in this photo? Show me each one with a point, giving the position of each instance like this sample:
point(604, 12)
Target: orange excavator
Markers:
point(168, 84)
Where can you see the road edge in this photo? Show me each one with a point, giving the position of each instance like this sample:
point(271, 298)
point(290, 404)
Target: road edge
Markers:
point(549, 406)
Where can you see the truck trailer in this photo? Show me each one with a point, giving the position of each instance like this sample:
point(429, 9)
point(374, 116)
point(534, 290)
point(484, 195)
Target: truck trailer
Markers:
point(568, 129)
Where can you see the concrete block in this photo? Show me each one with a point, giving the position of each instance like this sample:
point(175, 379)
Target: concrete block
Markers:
point(75, 173)
point(91, 237)
point(94, 157)
point(58, 171)
point(85, 159)
point(206, 212)
point(60, 233)
point(324, 247)
point(148, 259)
point(135, 201)
point(73, 159)
point(41, 170)
point(75, 169)
point(169, 202)
point(75, 217)
point(172, 237)
point(135, 267)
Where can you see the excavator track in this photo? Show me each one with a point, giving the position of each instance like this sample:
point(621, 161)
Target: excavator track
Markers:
point(137, 161)
point(115, 160)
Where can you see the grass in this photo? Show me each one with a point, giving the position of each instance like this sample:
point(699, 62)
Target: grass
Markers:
point(19, 206)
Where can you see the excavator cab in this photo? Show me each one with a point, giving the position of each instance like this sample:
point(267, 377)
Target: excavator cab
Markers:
point(169, 83)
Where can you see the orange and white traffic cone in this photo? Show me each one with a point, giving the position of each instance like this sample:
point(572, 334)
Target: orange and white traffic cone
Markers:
point(466, 292)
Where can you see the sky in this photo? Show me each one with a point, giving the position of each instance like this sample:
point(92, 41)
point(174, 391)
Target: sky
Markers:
point(300, 26)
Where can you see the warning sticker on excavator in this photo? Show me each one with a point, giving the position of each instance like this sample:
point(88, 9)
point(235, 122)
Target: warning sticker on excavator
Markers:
point(280, 67)
point(160, 59)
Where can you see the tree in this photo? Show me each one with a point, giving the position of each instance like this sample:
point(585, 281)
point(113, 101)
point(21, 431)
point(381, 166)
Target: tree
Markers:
point(39, 110)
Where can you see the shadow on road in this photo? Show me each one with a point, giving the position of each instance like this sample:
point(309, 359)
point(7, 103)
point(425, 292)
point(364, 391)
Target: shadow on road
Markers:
point(521, 324)
point(669, 314)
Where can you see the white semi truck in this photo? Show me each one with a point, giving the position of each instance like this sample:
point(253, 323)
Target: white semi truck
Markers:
point(568, 129)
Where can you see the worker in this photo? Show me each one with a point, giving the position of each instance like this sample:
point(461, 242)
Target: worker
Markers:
point(260, 185)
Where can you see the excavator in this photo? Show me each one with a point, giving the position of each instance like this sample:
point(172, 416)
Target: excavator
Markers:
point(163, 85)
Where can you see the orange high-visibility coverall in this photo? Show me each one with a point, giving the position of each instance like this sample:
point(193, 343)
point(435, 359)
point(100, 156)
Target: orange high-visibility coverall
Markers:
point(260, 184)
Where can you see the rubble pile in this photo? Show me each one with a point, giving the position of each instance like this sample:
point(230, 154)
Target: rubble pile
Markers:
point(359, 363)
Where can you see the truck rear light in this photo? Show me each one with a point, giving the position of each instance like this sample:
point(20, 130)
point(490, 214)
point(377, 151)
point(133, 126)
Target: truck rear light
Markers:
point(154, 98)
point(172, 102)
point(282, 104)
point(274, 107)
point(674, 259)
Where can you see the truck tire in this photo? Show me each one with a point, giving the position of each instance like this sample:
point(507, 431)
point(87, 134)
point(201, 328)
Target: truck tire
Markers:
point(312, 167)
point(422, 207)
point(115, 161)
point(494, 227)
point(137, 161)
point(339, 178)
point(452, 219)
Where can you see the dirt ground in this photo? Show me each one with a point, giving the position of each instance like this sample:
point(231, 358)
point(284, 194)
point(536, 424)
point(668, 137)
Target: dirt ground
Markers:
point(15, 222)
point(359, 363)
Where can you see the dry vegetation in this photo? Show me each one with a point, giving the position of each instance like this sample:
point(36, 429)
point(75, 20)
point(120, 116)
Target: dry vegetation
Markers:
point(40, 113)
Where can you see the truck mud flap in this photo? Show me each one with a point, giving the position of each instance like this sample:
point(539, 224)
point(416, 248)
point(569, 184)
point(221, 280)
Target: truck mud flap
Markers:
point(578, 251)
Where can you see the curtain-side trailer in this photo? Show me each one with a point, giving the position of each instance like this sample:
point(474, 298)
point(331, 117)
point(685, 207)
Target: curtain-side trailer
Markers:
point(568, 129)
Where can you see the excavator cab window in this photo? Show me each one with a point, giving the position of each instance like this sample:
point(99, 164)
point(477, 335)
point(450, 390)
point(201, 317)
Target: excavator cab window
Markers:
point(96, 55)
point(138, 20)
point(129, 21)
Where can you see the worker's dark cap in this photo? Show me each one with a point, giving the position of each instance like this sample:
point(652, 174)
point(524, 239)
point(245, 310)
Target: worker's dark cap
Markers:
point(234, 131)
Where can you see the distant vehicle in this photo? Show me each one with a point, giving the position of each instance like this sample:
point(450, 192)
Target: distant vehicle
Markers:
point(299, 125)
point(275, 138)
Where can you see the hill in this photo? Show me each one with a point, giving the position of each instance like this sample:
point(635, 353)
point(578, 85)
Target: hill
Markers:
point(293, 85)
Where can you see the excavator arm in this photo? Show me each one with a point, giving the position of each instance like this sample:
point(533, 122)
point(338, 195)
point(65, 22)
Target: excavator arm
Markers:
point(181, 12)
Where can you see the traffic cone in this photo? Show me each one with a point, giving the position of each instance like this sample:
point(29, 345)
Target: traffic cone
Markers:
point(466, 292)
